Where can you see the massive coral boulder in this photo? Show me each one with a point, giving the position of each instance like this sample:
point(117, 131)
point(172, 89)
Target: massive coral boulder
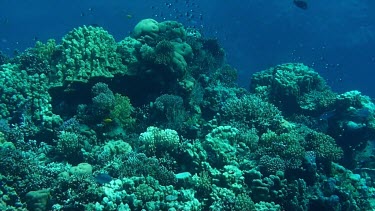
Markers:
point(88, 52)
point(146, 27)
point(287, 84)
point(25, 101)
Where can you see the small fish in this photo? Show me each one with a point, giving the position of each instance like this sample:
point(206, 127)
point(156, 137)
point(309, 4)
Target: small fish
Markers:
point(301, 4)
point(107, 120)
point(103, 178)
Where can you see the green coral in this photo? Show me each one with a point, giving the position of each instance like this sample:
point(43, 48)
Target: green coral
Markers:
point(69, 144)
point(115, 148)
point(324, 146)
point(41, 59)
point(244, 202)
point(253, 112)
point(144, 192)
point(88, 52)
point(249, 137)
point(128, 50)
point(47, 51)
point(220, 144)
point(172, 30)
point(151, 31)
point(164, 51)
point(25, 99)
point(15, 89)
point(158, 141)
point(38, 200)
point(122, 111)
point(352, 124)
point(164, 44)
point(318, 101)
point(351, 99)
point(183, 53)
point(173, 56)
point(225, 75)
point(288, 151)
point(215, 95)
point(203, 183)
point(286, 84)
point(146, 27)
point(271, 165)
point(287, 146)
point(267, 206)
point(232, 148)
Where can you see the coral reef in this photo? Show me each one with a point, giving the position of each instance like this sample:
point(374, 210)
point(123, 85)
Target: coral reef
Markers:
point(156, 121)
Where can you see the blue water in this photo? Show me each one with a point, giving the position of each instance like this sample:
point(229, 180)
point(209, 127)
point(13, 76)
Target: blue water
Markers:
point(336, 37)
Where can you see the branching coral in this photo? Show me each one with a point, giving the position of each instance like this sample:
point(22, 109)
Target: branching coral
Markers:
point(158, 141)
point(232, 148)
point(252, 111)
point(122, 111)
point(324, 146)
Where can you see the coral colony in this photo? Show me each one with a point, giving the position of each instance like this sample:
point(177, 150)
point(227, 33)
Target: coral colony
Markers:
point(156, 121)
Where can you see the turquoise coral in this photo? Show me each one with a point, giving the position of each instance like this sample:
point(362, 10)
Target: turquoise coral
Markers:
point(88, 52)
point(160, 115)
point(287, 83)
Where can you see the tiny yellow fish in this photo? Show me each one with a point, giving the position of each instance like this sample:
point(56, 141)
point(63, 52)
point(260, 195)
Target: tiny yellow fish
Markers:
point(107, 120)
